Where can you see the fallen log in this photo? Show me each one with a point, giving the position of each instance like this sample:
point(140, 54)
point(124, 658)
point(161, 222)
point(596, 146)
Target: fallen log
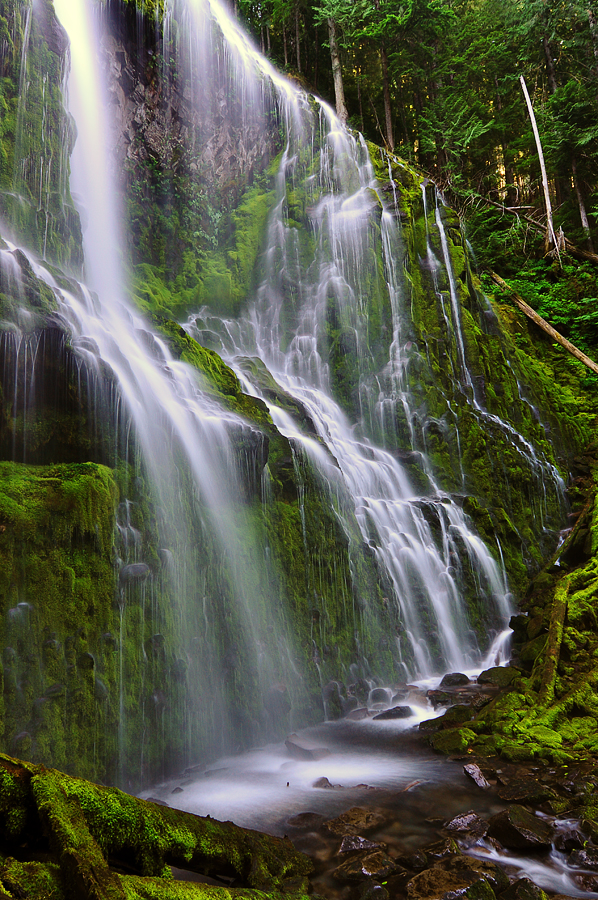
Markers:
point(543, 324)
point(87, 832)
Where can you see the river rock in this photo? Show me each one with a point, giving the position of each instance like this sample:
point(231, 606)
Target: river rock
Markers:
point(354, 843)
point(302, 748)
point(585, 859)
point(436, 884)
point(523, 889)
point(469, 827)
point(356, 820)
point(309, 821)
point(397, 712)
point(473, 771)
point(569, 839)
point(518, 829)
point(440, 698)
point(377, 865)
point(369, 891)
point(461, 875)
point(379, 695)
point(357, 715)
point(526, 790)
point(455, 679)
point(324, 784)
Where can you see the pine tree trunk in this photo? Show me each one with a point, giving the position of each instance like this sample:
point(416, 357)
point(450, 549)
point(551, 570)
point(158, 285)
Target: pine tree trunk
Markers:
point(297, 39)
point(337, 73)
point(387, 104)
point(284, 44)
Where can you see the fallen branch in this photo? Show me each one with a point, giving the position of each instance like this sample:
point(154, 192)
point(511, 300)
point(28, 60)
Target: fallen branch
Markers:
point(543, 324)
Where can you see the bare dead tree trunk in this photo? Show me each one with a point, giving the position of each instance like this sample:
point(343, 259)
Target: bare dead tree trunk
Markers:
point(550, 235)
point(337, 73)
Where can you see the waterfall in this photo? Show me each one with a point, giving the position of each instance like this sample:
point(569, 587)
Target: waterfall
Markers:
point(333, 443)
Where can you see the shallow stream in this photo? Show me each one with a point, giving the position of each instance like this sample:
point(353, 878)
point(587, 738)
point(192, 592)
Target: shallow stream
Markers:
point(382, 766)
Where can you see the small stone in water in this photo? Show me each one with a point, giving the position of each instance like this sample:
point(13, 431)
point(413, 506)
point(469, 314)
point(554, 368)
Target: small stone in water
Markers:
point(177, 790)
point(476, 774)
point(398, 712)
point(324, 783)
point(155, 800)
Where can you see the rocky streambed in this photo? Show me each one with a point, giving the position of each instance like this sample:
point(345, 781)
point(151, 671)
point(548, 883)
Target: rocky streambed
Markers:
point(381, 815)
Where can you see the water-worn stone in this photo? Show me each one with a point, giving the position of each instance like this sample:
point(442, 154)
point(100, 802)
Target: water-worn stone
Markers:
point(518, 829)
point(134, 572)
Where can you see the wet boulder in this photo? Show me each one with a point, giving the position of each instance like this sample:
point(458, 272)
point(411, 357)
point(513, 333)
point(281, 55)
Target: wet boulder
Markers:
point(397, 712)
point(585, 859)
point(468, 828)
point(301, 748)
point(473, 771)
point(357, 820)
point(308, 821)
point(523, 889)
point(518, 829)
point(455, 679)
point(498, 676)
point(354, 843)
point(376, 865)
point(134, 573)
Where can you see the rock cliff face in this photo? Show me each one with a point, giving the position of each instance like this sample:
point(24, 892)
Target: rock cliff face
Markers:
point(104, 669)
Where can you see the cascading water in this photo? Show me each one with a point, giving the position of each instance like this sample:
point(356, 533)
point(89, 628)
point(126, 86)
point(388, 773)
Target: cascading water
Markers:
point(327, 344)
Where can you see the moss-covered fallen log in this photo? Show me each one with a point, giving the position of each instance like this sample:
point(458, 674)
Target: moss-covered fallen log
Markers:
point(87, 834)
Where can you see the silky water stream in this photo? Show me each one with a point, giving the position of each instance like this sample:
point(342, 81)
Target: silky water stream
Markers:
point(425, 550)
